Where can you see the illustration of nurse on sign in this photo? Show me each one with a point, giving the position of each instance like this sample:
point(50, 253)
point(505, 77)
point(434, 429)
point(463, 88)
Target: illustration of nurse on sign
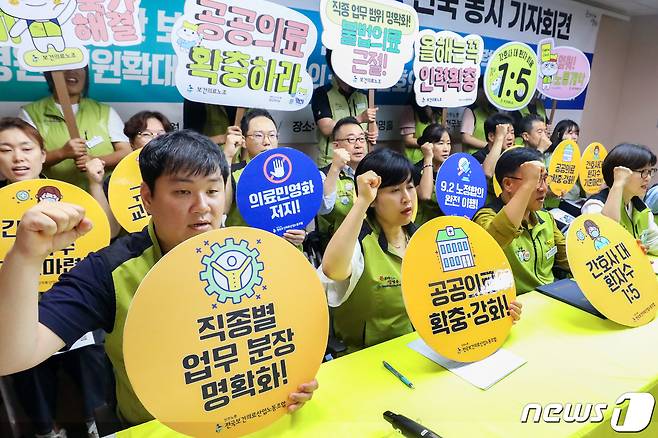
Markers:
point(594, 232)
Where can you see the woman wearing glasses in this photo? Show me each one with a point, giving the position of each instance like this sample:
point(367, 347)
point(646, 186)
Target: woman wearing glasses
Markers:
point(627, 172)
point(99, 126)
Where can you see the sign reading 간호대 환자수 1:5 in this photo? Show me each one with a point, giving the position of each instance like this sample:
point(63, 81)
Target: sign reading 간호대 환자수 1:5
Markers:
point(371, 41)
point(611, 270)
point(457, 286)
point(279, 190)
point(510, 79)
point(240, 335)
point(19, 197)
point(52, 35)
point(591, 168)
point(244, 54)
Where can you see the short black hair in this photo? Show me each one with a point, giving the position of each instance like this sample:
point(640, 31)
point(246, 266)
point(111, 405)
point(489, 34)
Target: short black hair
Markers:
point(633, 156)
point(182, 151)
point(393, 167)
point(512, 159)
point(495, 120)
point(559, 130)
point(525, 125)
point(432, 134)
point(48, 75)
point(252, 114)
point(342, 122)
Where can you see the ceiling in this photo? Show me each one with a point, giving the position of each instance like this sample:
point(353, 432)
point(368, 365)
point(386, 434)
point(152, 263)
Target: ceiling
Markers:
point(626, 7)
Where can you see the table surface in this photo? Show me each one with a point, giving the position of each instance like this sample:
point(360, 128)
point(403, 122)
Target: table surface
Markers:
point(572, 357)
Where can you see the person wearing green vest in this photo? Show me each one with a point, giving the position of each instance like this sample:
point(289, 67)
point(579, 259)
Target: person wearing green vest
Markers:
point(361, 268)
point(413, 122)
point(436, 148)
point(532, 130)
point(339, 191)
point(564, 130)
point(333, 102)
point(22, 154)
point(183, 190)
point(257, 133)
point(98, 124)
point(627, 171)
point(536, 107)
point(474, 136)
point(528, 235)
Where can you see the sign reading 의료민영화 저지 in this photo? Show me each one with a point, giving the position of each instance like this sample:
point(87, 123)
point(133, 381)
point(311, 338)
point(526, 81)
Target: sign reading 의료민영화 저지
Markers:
point(244, 54)
point(52, 35)
point(611, 270)
point(457, 286)
point(232, 336)
point(279, 190)
point(371, 40)
point(19, 197)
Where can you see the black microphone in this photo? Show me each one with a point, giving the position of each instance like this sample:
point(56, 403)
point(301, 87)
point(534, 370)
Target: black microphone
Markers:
point(408, 427)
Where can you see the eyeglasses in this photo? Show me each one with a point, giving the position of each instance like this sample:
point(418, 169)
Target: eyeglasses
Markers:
point(150, 134)
point(259, 136)
point(542, 180)
point(353, 140)
point(647, 172)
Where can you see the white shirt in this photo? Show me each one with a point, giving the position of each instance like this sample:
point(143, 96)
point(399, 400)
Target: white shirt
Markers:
point(339, 291)
point(328, 201)
point(114, 123)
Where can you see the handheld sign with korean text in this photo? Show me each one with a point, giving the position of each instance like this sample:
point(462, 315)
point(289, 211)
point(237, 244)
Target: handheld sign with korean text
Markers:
point(457, 286)
point(611, 270)
point(510, 79)
point(447, 68)
point(564, 166)
point(244, 54)
point(371, 40)
point(124, 194)
point(591, 168)
point(217, 336)
point(461, 186)
point(19, 197)
point(279, 190)
point(564, 71)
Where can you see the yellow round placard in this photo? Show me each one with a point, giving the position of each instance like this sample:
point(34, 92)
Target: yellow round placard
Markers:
point(611, 270)
point(124, 196)
point(222, 329)
point(564, 166)
point(591, 168)
point(19, 197)
point(457, 286)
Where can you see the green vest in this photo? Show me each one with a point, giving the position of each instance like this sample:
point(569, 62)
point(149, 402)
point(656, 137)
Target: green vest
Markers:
point(345, 196)
point(234, 218)
point(532, 254)
point(217, 121)
point(375, 311)
point(480, 116)
point(92, 118)
point(637, 222)
point(341, 107)
point(42, 29)
point(126, 278)
point(416, 154)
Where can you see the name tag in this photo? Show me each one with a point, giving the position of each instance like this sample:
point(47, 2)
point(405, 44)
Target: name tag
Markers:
point(94, 141)
point(551, 252)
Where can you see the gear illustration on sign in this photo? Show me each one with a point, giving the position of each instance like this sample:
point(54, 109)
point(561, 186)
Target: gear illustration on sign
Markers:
point(231, 271)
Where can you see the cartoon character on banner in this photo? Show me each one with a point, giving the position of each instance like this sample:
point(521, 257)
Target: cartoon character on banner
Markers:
point(549, 66)
point(43, 22)
point(188, 36)
point(464, 169)
point(49, 194)
point(595, 234)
